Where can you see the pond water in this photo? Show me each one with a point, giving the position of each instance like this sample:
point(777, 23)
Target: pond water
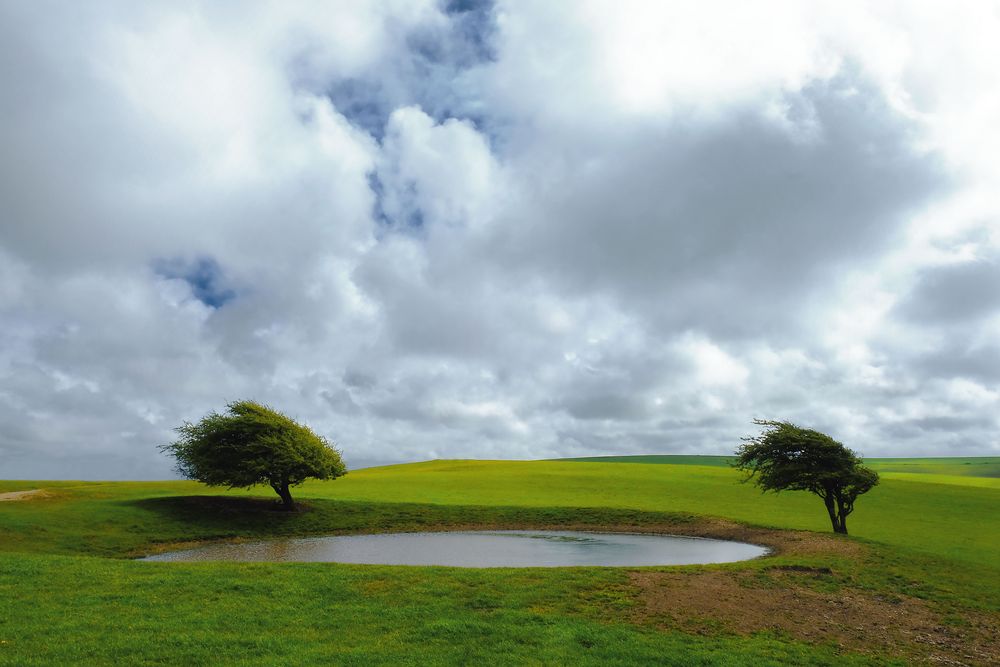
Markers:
point(494, 548)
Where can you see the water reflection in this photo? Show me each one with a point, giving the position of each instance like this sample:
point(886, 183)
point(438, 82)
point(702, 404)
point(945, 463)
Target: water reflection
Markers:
point(498, 548)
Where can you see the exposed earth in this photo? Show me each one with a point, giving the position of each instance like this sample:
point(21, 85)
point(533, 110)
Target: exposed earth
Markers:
point(31, 494)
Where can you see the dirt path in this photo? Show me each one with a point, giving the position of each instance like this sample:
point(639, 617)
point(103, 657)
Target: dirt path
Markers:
point(781, 599)
point(32, 494)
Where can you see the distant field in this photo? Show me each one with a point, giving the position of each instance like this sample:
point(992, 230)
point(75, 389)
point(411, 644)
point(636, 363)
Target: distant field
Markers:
point(984, 466)
point(975, 466)
point(938, 470)
point(673, 459)
point(68, 594)
point(960, 521)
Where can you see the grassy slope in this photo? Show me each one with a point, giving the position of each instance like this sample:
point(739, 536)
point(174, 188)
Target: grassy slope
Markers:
point(675, 459)
point(958, 522)
point(975, 466)
point(59, 610)
point(942, 543)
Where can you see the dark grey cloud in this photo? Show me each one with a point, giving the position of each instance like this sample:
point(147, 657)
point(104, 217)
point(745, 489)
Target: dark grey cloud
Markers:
point(962, 359)
point(955, 435)
point(607, 405)
point(954, 293)
point(725, 225)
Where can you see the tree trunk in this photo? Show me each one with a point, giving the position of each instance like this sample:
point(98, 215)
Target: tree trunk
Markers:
point(838, 513)
point(831, 509)
point(286, 496)
point(842, 511)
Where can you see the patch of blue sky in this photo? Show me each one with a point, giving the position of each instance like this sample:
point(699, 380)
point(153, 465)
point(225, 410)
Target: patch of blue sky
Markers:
point(363, 102)
point(403, 216)
point(474, 20)
point(203, 275)
point(429, 77)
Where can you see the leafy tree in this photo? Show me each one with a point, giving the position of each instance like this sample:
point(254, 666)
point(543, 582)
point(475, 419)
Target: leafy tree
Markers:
point(253, 444)
point(786, 457)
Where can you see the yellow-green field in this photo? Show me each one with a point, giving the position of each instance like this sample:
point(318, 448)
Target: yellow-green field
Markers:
point(925, 542)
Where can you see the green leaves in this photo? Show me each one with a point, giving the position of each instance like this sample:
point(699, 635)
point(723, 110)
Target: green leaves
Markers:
point(252, 444)
point(785, 457)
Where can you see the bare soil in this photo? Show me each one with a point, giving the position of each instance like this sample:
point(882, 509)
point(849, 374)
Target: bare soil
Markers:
point(33, 494)
point(787, 600)
point(804, 602)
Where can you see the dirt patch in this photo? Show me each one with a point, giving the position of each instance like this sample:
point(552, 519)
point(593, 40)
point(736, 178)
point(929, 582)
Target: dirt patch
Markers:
point(33, 494)
point(783, 542)
point(791, 601)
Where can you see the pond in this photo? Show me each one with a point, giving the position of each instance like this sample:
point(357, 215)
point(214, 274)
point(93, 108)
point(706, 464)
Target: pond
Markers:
point(493, 548)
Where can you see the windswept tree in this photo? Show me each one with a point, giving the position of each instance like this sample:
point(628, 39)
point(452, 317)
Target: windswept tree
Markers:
point(253, 444)
point(785, 457)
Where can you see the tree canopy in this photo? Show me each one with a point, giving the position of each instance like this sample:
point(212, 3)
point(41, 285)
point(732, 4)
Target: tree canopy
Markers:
point(253, 444)
point(785, 457)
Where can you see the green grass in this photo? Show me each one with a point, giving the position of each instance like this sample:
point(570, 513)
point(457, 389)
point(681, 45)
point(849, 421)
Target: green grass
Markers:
point(69, 595)
point(959, 522)
point(975, 466)
point(962, 471)
point(673, 459)
point(119, 612)
point(981, 466)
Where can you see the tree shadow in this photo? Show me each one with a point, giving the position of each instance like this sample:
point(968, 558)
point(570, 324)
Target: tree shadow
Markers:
point(201, 517)
point(224, 513)
point(223, 517)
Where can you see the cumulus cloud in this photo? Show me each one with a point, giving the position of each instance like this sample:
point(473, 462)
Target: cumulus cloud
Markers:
point(496, 230)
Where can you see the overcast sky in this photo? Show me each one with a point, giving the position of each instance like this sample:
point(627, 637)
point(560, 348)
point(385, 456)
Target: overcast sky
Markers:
point(512, 230)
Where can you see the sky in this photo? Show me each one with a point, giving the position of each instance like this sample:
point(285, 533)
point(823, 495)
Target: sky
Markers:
point(511, 230)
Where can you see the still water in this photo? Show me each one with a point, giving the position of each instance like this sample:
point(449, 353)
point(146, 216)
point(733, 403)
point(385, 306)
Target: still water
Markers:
point(494, 548)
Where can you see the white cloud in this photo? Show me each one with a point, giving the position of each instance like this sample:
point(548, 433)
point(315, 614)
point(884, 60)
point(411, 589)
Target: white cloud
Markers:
point(443, 173)
point(522, 230)
point(713, 366)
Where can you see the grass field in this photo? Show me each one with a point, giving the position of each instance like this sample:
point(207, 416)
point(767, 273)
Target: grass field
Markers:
point(924, 553)
point(979, 466)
